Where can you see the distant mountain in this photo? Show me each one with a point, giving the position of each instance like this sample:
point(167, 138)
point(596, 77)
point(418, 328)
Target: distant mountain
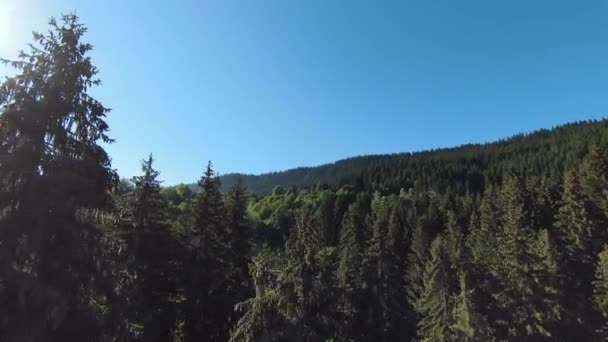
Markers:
point(303, 176)
point(521, 146)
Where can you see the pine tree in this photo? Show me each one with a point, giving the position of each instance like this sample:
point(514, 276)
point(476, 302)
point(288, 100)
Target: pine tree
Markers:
point(401, 324)
point(303, 296)
point(579, 222)
point(519, 308)
point(600, 290)
point(432, 305)
point(415, 266)
point(210, 215)
point(152, 245)
point(542, 283)
point(462, 328)
point(208, 290)
point(452, 242)
point(147, 207)
point(239, 240)
point(573, 222)
point(384, 267)
point(261, 319)
point(349, 272)
point(51, 167)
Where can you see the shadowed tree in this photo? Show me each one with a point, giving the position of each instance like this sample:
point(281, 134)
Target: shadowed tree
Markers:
point(52, 166)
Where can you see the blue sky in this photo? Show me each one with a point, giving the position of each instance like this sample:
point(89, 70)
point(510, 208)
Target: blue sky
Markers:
point(260, 86)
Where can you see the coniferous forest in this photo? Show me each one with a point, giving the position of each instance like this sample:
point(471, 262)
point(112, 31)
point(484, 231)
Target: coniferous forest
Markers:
point(493, 242)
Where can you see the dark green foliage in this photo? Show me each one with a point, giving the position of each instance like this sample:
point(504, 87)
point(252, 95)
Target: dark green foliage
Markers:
point(581, 222)
point(432, 304)
point(52, 166)
point(600, 290)
point(521, 280)
point(350, 272)
point(239, 233)
point(152, 247)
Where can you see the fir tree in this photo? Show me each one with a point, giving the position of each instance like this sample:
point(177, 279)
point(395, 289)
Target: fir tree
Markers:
point(52, 166)
point(239, 240)
point(207, 292)
point(432, 305)
point(152, 245)
point(462, 327)
point(579, 223)
point(349, 273)
point(600, 290)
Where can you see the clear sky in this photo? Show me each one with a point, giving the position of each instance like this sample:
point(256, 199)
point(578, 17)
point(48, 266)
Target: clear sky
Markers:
point(260, 86)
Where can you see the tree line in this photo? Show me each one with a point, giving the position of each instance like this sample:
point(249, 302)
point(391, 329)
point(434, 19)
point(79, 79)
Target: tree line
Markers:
point(504, 241)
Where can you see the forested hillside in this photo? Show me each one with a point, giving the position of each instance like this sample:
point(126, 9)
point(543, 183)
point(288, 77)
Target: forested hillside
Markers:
point(564, 145)
point(504, 241)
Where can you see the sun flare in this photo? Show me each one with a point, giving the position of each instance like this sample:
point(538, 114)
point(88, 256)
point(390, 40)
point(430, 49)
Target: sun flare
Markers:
point(6, 23)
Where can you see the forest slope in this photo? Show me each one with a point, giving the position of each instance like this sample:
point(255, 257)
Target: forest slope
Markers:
point(569, 141)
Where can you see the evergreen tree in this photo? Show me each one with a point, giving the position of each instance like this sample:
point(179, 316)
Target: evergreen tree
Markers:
point(239, 240)
point(432, 305)
point(349, 273)
point(462, 327)
point(208, 288)
point(415, 266)
point(308, 297)
point(519, 307)
point(52, 166)
point(600, 290)
point(573, 222)
point(210, 214)
point(152, 246)
point(579, 222)
point(384, 268)
point(261, 319)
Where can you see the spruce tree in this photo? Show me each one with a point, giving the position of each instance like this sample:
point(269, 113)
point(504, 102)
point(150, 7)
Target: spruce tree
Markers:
point(239, 239)
point(579, 223)
point(415, 266)
point(520, 308)
point(349, 272)
point(261, 318)
point(432, 305)
point(152, 246)
point(52, 166)
point(209, 283)
point(304, 294)
point(600, 290)
point(462, 326)
point(384, 267)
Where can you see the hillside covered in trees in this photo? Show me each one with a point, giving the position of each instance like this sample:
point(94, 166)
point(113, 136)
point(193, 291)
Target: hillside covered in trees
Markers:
point(495, 242)
point(473, 157)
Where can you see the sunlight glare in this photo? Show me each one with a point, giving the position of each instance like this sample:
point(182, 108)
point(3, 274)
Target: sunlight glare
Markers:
point(6, 23)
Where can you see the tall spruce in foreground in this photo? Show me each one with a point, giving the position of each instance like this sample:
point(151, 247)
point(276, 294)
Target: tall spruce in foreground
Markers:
point(51, 166)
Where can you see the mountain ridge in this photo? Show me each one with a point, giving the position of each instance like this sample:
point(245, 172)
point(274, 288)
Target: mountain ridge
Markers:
point(334, 172)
